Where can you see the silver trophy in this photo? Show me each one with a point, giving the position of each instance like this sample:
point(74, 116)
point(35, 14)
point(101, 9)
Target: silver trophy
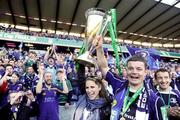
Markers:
point(97, 22)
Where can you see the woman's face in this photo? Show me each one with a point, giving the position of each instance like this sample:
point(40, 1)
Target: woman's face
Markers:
point(92, 89)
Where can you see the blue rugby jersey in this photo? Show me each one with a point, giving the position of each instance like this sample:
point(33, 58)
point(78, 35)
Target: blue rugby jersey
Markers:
point(15, 87)
point(148, 105)
point(175, 84)
point(30, 81)
point(174, 99)
point(48, 104)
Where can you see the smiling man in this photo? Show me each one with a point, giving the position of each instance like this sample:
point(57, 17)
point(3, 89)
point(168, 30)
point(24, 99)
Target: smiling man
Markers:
point(47, 95)
point(170, 97)
point(133, 97)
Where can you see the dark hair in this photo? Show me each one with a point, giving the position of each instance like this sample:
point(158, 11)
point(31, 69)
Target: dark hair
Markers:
point(59, 71)
point(32, 52)
point(50, 58)
point(103, 92)
point(161, 70)
point(137, 58)
point(8, 65)
point(2, 65)
point(16, 73)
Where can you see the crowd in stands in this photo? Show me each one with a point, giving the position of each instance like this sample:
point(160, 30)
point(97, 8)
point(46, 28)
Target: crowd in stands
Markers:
point(72, 37)
point(39, 34)
point(20, 75)
point(26, 78)
point(33, 85)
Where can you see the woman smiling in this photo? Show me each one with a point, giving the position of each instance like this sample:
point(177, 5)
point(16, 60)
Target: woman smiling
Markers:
point(95, 104)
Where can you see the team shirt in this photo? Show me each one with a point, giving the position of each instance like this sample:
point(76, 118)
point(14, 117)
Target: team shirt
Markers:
point(30, 81)
point(171, 97)
point(48, 104)
point(63, 98)
point(175, 84)
point(145, 107)
point(15, 87)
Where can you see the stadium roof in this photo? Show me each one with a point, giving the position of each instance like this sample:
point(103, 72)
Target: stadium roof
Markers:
point(151, 21)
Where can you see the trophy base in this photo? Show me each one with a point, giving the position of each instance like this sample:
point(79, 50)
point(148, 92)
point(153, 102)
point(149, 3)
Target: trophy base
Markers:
point(85, 59)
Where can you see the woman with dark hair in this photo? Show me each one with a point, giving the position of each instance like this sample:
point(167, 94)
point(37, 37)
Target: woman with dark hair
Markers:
point(95, 104)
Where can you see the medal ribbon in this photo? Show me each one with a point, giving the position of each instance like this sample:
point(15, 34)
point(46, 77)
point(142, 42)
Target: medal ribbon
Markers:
point(168, 99)
point(127, 103)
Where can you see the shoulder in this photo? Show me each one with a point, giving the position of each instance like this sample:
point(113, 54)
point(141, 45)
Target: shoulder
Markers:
point(105, 112)
point(114, 78)
point(81, 98)
point(153, 97)
point(154, 101)
point(68, 81)
point(81, 104)
point(110, 74)
point(175, 92)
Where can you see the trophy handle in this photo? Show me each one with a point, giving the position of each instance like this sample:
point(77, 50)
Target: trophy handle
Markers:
point(105, 23)
point(103, 29)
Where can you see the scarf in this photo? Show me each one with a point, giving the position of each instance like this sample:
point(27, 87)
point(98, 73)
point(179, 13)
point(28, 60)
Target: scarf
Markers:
point(91, 105)
point(95, 104)
point(142, 107)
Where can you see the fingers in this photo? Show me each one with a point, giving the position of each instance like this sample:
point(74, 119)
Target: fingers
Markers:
point(174, 111)
point(97, 41)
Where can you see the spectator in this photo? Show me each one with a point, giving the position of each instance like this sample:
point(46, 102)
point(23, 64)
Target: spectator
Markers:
point(47, 96)
point(30, 59)
point(170, 97)
point(30, 79)
point(133, 99)
point(95, 104)
point(64, 98)
point(50, 63)
point(73, 78)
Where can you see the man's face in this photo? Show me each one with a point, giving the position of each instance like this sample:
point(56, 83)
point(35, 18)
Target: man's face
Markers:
point(60, 76)
point(32, 56)
point(9, 69)
point(11, 62)
point(30, 70)
point(136, 72)
point(163, 80)
point(51, 61)
point(20, 63)
point(48, 78)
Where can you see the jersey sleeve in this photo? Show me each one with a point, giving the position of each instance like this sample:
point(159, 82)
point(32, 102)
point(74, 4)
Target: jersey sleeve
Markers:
point(115, 82)
point(155, 104)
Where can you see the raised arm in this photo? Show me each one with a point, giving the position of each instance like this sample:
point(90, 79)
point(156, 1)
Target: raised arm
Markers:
point(40, 82)
point(58, 57)
point(65, 87)
point(101, 59)
point(48, 53)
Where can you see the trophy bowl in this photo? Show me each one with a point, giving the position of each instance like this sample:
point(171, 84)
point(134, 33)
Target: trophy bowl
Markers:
point(97, 22)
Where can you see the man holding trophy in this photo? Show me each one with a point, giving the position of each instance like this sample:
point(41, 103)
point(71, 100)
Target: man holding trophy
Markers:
point(133, 98)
